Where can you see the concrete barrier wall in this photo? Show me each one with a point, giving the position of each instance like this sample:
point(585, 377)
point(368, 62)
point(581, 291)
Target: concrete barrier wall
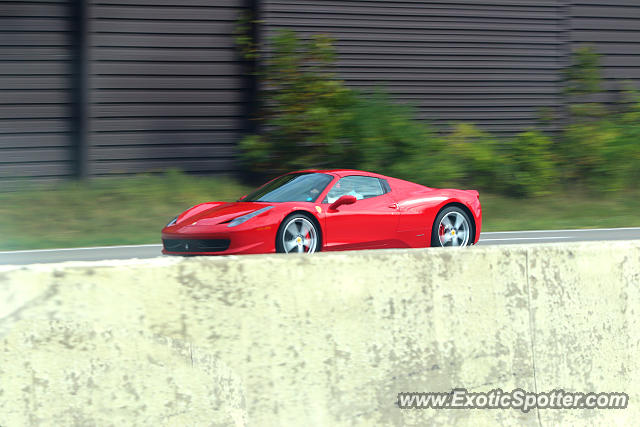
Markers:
point(323, 340)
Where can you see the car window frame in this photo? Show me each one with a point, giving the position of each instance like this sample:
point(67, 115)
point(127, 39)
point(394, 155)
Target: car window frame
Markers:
point(384, 185)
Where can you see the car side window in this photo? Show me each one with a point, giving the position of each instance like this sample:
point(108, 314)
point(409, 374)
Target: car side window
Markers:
point(362, 187)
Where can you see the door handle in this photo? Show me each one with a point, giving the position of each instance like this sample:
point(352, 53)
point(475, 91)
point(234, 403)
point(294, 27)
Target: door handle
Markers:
point(393, 206)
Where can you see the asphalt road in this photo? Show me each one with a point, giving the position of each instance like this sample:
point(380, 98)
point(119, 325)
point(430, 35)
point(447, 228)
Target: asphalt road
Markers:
point(151, 251)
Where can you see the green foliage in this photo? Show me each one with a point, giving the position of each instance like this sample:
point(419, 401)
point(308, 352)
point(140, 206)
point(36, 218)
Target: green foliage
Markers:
point(584, 78)
point(605, 153)
point(384, 137)
point(600, 146)
point(306, 109)
point(243, 38)
point(584, 75)
point(311, 119)
point(520, 166)
point(475, 154)
point(529, 165)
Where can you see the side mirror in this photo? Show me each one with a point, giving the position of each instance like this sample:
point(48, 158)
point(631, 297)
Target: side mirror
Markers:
point(241, 198)
point(343, 200)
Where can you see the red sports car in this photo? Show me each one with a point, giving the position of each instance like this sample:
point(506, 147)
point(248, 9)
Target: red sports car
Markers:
point(328, 210)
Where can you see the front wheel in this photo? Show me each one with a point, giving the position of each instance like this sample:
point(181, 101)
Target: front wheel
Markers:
point(452, 227)
point(297, 234)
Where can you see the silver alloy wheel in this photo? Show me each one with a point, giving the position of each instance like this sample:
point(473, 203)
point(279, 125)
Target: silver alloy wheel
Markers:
point(453, 230)
point(299, 236)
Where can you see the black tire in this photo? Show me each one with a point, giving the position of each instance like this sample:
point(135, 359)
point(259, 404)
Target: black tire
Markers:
point(305, 228)
point(447, 231)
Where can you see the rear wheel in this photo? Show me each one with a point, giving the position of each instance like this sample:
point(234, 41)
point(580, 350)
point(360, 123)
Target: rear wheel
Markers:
point(452, 227)
point(298, 234)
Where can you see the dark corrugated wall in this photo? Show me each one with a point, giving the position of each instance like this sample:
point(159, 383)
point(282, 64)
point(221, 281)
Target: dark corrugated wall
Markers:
point(167, 86)
point(491, 62)
point(35, 90)
point(613, 29)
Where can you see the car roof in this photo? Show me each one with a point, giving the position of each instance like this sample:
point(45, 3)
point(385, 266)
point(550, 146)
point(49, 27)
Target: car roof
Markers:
point(342, 172)
point(397, 183)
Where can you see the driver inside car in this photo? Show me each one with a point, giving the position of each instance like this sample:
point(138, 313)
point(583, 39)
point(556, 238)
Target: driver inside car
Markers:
point(313, 194)
point(343, 187)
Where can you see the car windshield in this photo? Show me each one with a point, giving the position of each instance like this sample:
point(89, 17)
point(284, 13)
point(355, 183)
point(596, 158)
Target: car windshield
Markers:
point(293, 187)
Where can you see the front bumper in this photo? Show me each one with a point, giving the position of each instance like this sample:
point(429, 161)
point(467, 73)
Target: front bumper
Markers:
point(195, 240)
point(196, 245)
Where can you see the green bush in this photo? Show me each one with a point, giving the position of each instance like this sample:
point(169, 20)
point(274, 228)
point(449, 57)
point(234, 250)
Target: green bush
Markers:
point(310, 119)
point(384, 137)
point(584, 75)
point(528, 165)
point(475, 155)
point(304, 115)
point(604, 154)
point(520, 166)
point(600, 147)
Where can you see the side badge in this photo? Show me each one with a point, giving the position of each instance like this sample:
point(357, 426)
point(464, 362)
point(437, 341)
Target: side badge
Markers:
point(319, 209)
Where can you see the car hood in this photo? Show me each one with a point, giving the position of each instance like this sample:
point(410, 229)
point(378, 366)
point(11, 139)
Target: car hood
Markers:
point(222, 213)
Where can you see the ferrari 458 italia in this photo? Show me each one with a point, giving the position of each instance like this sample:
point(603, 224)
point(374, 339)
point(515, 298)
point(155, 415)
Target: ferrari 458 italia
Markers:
point(328, 210)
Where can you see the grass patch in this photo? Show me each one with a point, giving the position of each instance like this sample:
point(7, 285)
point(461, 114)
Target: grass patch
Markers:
point(561, 211)
point(109, 211)
point(118, 211)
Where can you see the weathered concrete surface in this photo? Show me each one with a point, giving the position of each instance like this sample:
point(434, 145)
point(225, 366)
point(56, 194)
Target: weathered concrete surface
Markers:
point(323, 340)
point(586, 318)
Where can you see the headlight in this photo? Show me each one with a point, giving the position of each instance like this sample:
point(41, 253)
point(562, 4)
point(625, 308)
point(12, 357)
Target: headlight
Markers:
point(173, 221)
point(239, 220)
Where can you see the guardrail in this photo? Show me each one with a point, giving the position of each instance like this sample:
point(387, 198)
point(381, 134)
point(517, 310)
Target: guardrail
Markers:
point(329, 339)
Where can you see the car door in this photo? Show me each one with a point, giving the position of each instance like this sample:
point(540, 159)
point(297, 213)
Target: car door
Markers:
point(371, 222)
